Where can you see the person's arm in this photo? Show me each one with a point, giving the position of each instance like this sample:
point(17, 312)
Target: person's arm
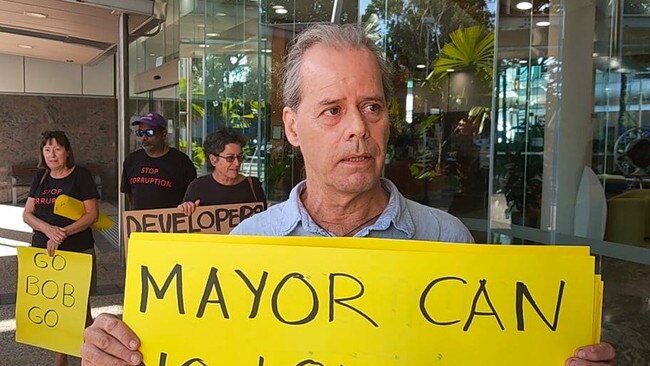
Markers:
point(602, 354)
point(54, 233)
point(129, 199)
point(91, 207)
point(109, 341)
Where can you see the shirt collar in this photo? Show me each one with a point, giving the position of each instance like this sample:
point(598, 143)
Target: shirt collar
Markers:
point(395, 213)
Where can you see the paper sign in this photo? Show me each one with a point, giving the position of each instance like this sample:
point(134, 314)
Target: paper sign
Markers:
point(219, 219)
point(73, 209)
point(228, 302)
point(52, 299)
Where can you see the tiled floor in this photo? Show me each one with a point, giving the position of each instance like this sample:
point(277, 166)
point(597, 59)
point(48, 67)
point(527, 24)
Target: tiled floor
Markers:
point(626, 310)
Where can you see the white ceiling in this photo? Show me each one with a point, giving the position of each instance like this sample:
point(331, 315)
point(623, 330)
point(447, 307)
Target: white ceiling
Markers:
point(71, 32)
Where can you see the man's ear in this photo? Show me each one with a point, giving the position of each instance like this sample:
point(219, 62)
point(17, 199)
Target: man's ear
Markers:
point(290, 126)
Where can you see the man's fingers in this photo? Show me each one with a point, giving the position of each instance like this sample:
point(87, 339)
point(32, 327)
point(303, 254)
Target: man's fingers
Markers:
point(596, 355)
point(108, 341)
point(118, 329)
point(91, 356)
point(598, 352)
point(578, 362)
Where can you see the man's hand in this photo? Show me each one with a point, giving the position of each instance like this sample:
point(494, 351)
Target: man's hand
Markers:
point(601, 354)
point(109, 341)
point(189, 207)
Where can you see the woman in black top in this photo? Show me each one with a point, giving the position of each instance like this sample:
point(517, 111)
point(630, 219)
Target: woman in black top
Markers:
point(59, 175)
point(225, 185)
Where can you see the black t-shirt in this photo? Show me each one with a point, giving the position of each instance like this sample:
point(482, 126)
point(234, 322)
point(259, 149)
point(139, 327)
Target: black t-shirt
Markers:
point(78, 184)
point(211, 192)
point(157, 182)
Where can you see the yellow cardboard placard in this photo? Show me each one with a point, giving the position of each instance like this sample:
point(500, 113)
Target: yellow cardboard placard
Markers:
point(227, 302)
point(73, 209)
point(383, 244)
point(598, 308)
point(52, 299)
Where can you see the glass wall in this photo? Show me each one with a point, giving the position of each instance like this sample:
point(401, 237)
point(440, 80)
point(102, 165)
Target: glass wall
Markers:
point(571, 155)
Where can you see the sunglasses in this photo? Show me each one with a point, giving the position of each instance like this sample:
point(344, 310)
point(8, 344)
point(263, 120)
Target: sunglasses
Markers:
point(231, 158)
point(149, 132)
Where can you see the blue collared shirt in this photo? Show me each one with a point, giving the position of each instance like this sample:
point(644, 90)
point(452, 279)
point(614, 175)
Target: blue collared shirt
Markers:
point(402, 219)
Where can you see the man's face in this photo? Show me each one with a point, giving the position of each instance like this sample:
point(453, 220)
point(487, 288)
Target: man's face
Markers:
point(155, 142)
point(341, 124)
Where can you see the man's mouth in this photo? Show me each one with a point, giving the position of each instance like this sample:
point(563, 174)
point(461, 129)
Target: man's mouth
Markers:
point(358, 159)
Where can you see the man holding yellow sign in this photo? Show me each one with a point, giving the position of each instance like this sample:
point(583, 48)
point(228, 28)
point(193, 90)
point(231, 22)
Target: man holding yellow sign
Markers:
point(336, 86)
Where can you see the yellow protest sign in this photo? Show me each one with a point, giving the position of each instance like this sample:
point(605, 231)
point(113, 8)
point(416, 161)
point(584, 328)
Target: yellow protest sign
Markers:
point(218, 219)
point(52, 299)
point(228, 302)
point(73, 209)
point(386, 244)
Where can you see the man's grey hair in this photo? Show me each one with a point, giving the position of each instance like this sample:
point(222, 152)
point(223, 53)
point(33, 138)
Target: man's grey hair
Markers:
point(331, 35)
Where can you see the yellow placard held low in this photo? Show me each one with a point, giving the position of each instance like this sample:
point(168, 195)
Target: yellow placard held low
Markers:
point(73, 209)
point(228, 302)
point(52, 299)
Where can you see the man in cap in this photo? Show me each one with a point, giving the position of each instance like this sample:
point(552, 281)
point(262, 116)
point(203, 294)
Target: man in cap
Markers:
point(157, 175)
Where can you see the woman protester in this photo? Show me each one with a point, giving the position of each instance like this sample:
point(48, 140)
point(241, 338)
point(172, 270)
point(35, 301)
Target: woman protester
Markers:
point(225, 185)
point(58, 174)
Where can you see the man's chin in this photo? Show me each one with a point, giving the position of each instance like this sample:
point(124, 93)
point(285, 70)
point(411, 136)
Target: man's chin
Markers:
point(359, 183)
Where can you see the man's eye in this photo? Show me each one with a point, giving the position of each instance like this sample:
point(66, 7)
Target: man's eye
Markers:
point(373, 108)
point(334, 111)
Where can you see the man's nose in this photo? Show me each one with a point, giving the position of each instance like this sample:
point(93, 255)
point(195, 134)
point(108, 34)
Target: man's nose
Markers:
point(357, 127)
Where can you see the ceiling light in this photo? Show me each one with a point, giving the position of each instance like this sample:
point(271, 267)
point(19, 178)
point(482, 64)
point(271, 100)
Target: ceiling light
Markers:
point(524, 5)
point(281, 11)
point(523, 61)
point(278, 7)
point(220, 14)
point(35, 15)
point(26, 46)
point(212, 34)
point(152, 54)
point(204, 45)
point(266, 50)
point(421, 66)
point(200, 25)
point(543, 23)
